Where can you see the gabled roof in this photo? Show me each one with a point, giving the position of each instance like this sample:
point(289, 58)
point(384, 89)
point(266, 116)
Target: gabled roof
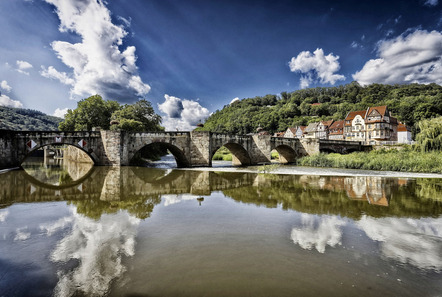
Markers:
point(292, 129)
point(351, 115)
point(302, 128)
point(327, 123)
point(337, 125)
point(381, 109)
point(311, 127)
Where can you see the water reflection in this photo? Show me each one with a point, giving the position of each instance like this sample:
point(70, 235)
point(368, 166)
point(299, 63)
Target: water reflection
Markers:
point(318, 232)
point(57, 172)
point(399, 220)
point(138, 190)
point(99, 246)
point(410, 241)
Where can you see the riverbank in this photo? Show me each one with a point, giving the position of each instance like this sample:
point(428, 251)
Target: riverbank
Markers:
point(405, 160)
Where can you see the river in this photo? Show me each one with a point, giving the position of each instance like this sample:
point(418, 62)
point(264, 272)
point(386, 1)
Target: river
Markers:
point(135, 231)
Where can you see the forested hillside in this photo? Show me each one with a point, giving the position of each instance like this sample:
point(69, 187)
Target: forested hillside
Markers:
point(26, 119)
point(409, 103)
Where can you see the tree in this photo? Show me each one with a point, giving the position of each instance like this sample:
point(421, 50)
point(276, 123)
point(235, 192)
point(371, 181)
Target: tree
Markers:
point(430, 136)
point(139, 116)
point(96, 112)
point(90, 112)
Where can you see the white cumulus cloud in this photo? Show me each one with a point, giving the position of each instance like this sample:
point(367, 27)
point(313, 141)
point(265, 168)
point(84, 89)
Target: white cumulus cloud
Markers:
point(5, 86)
point(234, 100)
point(316, 67)
point(23, 66)
point(413, 57)
point(6, 101)
point(60, 112)
point(182, 114)
point(52, 73)
point(98, 64)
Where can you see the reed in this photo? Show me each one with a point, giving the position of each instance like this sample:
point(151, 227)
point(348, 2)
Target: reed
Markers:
point(405, 160)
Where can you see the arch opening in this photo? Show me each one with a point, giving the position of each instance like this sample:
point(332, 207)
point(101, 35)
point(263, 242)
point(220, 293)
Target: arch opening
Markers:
point(57, 164)
point(233, 152)
point(327, 150)
point(160, 155)
point(285, 154)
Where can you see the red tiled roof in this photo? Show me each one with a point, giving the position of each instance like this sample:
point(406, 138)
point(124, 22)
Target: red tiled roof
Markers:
point(337, 128)
point(381, 109)
point(302, 128)
point(351, 115)
point(327, 123)
point(402, 128)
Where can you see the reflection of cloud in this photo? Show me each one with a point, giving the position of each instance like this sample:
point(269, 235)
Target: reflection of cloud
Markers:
point(413, 241)
point(99, 246)
point(21, 234)
point(3, 215)
point(318, 232)
point(173, 199)
point(50, 228)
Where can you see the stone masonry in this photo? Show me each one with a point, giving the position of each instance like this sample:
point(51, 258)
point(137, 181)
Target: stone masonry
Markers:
point(190, 149)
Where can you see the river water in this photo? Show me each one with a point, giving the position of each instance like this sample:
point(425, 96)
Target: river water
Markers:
point(133, 231)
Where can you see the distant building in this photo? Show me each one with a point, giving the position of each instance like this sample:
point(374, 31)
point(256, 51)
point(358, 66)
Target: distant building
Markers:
point(290, 132)
point(322, 129)
point(311, 130)
point(354, 126)
point(294, 132)
point(279, 134)
point(380, 125)
point(373, 125)
point(336, 131)
point(403, 134)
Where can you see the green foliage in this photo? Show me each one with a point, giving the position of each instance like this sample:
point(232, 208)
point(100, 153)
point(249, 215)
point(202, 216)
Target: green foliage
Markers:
point(90, 112)
point(139, 116)
point(268, 168)
point(409, 103)
point(430, 135)
point(97, 112)
point(394, 160)
point(222, 154)
point(26, 120)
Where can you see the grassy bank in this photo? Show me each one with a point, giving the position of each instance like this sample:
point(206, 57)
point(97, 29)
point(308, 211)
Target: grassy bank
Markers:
point(402, 160)
point(223, 154)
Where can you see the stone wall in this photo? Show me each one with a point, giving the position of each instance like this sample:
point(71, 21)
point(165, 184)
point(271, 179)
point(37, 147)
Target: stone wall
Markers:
point(76, 155)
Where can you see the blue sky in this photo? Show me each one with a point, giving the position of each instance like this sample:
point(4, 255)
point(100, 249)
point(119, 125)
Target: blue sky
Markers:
point(190, 58)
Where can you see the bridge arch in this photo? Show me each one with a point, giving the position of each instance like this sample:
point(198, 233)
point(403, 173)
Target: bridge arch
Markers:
point(179, 154)
point(29, 153)
point(240, 156)
point(286, 154)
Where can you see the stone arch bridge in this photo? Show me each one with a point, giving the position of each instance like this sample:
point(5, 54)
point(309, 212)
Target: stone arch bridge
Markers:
point(190, 149)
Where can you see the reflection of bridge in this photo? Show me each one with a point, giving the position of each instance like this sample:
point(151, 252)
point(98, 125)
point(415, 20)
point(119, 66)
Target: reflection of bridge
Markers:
point(119, 183)
point(189, 148)
point(107, 189)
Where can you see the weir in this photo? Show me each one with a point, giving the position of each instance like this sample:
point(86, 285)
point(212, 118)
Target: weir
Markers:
point(190, 149)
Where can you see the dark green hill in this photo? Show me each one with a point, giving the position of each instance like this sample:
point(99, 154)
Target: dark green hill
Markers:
point(26, 119)
point(409, 103)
